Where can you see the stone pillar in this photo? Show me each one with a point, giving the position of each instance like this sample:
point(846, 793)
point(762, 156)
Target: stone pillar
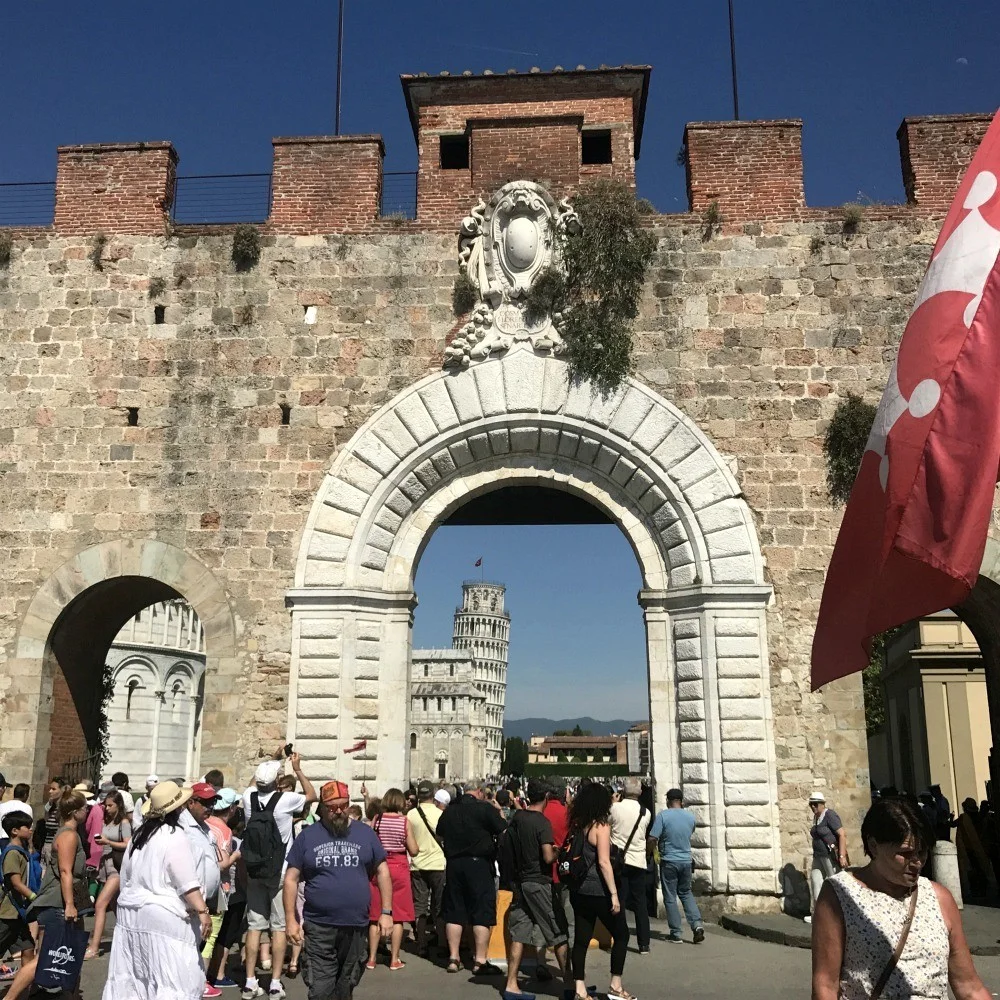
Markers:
point(945, 864)
point(710, 710)
point(350, 682)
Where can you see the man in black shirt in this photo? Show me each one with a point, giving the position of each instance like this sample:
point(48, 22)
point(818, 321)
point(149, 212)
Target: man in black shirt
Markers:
point(469, 828)
point(533, 909)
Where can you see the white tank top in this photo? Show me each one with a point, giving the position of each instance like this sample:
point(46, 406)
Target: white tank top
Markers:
point(874, 922)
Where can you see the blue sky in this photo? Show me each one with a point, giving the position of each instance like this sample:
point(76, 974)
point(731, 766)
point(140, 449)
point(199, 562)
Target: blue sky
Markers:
point(221, 78)
point(577, 641)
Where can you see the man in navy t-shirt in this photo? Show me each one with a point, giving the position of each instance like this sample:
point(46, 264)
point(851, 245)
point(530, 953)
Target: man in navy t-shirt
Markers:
point(336, 858)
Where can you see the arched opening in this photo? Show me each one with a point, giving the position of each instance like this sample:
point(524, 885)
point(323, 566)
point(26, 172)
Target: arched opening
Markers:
point(576, 671)
point(648, 469)
point(80, 645)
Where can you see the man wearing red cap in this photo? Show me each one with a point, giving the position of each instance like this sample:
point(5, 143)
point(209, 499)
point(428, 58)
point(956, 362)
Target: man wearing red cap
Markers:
point(337, 859)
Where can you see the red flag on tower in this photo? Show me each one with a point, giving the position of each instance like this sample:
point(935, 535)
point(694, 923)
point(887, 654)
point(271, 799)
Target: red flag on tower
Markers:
point(914, 530)
point(479, 562)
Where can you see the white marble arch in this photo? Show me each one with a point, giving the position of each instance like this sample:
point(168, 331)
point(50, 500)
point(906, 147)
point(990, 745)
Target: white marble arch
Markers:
point(516, 420)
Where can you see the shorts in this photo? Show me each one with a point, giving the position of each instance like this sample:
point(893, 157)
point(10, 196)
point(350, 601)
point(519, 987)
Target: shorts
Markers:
point(428, 892)
point(265, 909)
point(470, 895)
point(533, 910)
point(14, 937)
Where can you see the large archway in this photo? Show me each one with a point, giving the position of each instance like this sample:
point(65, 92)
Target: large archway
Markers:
point(67, 630)
point(519, 421)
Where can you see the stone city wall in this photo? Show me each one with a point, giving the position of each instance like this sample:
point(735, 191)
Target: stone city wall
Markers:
point(755, 329)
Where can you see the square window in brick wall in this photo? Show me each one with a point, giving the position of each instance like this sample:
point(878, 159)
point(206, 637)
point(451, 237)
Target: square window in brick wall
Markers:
point(595, 146)
point(454, 152)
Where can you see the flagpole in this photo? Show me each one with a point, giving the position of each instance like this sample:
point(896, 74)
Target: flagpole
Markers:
point(732, 60)
point(340, 64)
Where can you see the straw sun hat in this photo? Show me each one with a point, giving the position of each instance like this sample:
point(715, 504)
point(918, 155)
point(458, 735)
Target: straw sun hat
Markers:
point(165, 798)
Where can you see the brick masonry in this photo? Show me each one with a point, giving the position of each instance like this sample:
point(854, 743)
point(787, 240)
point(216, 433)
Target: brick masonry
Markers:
point(754, 332)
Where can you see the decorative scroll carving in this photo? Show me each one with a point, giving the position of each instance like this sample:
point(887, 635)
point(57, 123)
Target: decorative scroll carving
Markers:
point(502, 247)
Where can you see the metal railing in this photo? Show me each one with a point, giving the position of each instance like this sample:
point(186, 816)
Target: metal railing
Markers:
point(30, 203)
point(221, 198)
point(399, 194)
point(82, 768)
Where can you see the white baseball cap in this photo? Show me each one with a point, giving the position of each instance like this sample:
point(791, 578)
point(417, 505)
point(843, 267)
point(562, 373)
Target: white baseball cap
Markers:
point(152, 781)
point(442, 797)
point(267, 772)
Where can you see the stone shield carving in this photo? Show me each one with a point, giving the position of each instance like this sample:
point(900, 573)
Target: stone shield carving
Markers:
point(503, 246)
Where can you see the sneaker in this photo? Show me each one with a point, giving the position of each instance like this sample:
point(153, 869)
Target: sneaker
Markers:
point(699, 935)
point(211, 991)
point(675, 940)
point(276, 992)
point(224, 983)
point(251, 993)
point(643, 951)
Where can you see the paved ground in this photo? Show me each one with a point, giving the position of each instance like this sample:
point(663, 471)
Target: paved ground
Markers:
point(981, 923)
point(725, 963)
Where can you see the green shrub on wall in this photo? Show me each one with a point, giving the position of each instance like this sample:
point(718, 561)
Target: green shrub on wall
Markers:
point(844, 444)
point(596, 303)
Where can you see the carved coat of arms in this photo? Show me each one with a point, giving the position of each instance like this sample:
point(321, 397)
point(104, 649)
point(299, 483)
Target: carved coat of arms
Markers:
point(503, 247)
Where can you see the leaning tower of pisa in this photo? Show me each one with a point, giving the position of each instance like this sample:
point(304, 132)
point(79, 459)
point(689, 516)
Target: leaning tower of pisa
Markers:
point(483, 628)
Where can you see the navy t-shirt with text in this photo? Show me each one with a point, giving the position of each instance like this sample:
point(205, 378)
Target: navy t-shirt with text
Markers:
point(336, 872)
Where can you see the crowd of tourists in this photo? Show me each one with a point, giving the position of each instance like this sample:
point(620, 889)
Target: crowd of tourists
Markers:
point(195, 871)
point(294, 878)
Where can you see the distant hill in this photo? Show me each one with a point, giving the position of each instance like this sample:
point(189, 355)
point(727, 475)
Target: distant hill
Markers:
point(525, 728)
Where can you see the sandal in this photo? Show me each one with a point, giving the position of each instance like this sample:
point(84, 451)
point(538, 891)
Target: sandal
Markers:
point(91, 953)
point(396, 966)
point(622, 994)
point(454, 965)
point(7, 973)
point(486, 969)
point(292, 971)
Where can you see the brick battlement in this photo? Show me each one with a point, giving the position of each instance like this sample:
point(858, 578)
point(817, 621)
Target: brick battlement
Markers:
point(475, 133)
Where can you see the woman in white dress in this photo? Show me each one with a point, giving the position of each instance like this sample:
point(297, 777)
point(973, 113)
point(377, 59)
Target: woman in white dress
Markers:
point(162, 916)
point(882, 930)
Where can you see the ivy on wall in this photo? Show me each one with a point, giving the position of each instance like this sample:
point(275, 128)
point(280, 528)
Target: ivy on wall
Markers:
point(844, 444)
point(595, 303)
point(844, 447)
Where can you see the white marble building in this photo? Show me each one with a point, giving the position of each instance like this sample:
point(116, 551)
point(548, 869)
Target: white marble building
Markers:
point(448, 736)
point(483, 628)
point(459, 693)
point(158, 663)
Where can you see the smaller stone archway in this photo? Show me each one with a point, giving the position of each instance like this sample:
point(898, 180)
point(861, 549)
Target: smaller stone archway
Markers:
point(520, 421)
point(70, 623)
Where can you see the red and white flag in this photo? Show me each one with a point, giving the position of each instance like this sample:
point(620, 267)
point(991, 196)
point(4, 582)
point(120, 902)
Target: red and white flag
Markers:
point(362, 745)
point(914, 530)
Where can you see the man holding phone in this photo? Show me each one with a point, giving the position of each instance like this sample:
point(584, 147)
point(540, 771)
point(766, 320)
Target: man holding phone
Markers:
point(275, 813)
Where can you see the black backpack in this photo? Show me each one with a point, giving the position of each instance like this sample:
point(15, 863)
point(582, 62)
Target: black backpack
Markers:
point(263, 849)
point(572, 866)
